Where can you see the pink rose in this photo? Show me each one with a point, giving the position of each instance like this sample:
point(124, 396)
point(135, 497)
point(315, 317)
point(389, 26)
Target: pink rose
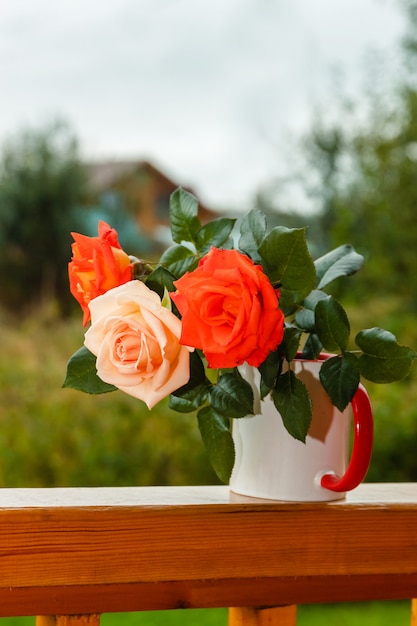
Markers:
point(136, 342)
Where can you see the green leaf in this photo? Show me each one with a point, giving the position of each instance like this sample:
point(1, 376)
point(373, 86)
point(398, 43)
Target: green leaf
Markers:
point(340, 377)
point(291, 399)
point(343, 261)
point(188, 399)
point(290, 344)
point(218, 441)
point(179, 260)
point(197, 370)
point(312, 347)
point(252, 233)
point(82, 374)
point(332, 324)
point(305, 317)
point(232, 396)
point(383, 360)
point(192, 395)
point(183, 214)
point(159, 280)
point(270, 369)
point(287, 262)
point(215, 233)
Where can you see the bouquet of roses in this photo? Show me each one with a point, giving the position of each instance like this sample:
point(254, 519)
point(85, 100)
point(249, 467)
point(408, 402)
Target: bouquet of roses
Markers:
point(182, 327)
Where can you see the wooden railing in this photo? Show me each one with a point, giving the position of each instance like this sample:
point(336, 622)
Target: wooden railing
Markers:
point(69, 555)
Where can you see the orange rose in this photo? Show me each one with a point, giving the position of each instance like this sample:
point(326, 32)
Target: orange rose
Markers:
point(136, 342)
point(98, 264)
point(229, 310)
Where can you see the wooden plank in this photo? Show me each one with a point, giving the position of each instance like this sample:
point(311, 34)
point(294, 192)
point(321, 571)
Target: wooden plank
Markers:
point(87, 550)
point(123, 544)
point(383, 494)
point(203, 594)
point(76, 497)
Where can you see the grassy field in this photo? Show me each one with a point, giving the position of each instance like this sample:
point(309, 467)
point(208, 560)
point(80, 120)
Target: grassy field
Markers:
point(50, 436)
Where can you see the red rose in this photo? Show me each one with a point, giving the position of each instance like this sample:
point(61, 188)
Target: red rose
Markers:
point(229, 310)
point(98, 264)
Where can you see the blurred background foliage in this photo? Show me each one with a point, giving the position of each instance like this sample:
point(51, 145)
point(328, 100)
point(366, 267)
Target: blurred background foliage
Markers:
point(359, 170)
point(42, 183)
point(357, 167)
point(51, 436)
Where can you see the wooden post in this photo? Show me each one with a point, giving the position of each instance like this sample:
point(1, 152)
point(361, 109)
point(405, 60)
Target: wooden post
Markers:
point(414, 612)
point(46, 620)
point(277, 616)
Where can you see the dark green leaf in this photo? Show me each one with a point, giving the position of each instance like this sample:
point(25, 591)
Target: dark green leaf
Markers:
point(312, 347)
point(343, 261)
point(189, 399)
point(383, 359)
point(160, 279)
point(291, 399)
point(192, 395)
point(332, 324)
point(218, 441)
point(183, 214)
point(270, 369)
point(287, 262)
point(290, 344)
point(179, 260)
point(215, 233)
point(197, 370)
point(232, 396)
point(252, 233)
point(82, 374)
point(340, 377)
point(305, 316)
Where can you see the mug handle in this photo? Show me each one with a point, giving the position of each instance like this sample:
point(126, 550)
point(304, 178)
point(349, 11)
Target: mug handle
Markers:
point(362, 446)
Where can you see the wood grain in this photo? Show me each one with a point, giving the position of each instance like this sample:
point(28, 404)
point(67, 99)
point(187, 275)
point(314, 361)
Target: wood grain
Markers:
point(75, 551)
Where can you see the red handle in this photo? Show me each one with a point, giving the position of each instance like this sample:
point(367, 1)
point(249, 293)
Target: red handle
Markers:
point(362, 446)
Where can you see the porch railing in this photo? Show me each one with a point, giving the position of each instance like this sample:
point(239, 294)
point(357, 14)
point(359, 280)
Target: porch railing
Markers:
point(69, 555)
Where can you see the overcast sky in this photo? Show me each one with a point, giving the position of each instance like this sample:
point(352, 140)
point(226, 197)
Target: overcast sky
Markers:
point(205, 90)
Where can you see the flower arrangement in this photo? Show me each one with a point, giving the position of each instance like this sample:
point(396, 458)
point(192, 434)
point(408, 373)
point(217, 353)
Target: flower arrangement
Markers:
point(215, 300)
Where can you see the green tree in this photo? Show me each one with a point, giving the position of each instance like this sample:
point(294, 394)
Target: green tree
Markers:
point(357, 166)
point(364, 173)
point(41, 187)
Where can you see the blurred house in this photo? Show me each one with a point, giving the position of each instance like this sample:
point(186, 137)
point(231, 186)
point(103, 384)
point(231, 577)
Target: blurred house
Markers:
point(135, 194)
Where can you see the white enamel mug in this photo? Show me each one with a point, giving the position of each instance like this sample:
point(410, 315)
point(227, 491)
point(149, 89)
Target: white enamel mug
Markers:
point(271, 464)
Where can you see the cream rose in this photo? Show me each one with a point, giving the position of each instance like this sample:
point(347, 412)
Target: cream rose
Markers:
point(136, 342)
